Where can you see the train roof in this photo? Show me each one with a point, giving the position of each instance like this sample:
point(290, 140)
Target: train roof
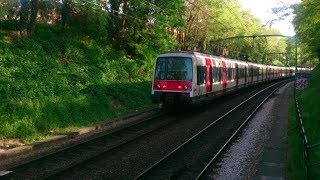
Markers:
point(199, 54)
point(177, 53)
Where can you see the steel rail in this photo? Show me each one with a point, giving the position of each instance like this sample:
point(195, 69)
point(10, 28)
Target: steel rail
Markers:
point(53, 175)
point(12, 170)
point(203, 130)
point(234, 134)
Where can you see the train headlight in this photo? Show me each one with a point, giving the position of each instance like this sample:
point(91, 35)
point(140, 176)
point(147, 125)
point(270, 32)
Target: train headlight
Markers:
point(185, 87)
point(158, 86)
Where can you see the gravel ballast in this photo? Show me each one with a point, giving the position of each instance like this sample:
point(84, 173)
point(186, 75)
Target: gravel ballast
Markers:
point(241, 160)
point(127, 161)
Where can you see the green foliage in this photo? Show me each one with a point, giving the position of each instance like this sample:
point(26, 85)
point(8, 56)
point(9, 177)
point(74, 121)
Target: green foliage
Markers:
point(142, 29)
point(307, 25)
point(91, 60)
point(294, 164)
point(310, 109)
point(9, 25)
point(210, 21)
point(308, 102)
point(5, 6)
point(90, 18)
point(129, 95)
point(48, 82)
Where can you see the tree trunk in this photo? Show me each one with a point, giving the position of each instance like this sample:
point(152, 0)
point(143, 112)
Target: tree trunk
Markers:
point(115, 23)
point(24, 13)
point(119, 23)
point(123, 24)
point(65, 14)
point(33, 17)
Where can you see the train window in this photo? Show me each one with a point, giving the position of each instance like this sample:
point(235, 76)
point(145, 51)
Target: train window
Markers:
point(266, 73)
point(214, 75)
point(245, 73)
point(251, 71)
point(173, 68)
point(219, 73)
point(256, 70)
point(228, 73)
point(160, 71)
point(201, 74)
point(241, 74)
point(232, 73)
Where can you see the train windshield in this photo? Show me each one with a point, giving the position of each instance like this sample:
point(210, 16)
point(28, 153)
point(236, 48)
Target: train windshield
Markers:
point(173, 68)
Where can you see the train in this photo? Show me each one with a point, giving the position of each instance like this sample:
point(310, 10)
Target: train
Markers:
point(188, 77)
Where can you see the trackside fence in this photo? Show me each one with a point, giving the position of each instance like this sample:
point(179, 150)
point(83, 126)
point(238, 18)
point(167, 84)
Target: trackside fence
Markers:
point(302, 80)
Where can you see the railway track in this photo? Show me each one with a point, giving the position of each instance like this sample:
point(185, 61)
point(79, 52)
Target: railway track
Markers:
point(71, 161)
point(57, 162)
point(196, 156)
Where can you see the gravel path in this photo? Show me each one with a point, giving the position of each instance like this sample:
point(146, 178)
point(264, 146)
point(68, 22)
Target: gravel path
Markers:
point(242, 158)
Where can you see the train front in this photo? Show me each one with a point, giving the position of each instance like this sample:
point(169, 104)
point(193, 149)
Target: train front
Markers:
point(172, 79)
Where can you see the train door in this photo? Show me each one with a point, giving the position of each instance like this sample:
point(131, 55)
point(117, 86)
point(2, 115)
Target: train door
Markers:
point(251, 74)
point(208, 75)
point(245, 74)
point(224, 74)
point(237, 75)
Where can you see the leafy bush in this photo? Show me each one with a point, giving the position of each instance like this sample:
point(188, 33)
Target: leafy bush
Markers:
point(52, 84)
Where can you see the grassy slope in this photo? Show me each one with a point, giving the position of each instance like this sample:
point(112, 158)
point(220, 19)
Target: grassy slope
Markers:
point(51, 84)
point(309, 103)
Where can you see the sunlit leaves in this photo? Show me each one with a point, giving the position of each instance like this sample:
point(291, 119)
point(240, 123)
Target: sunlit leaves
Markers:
point(307, 25)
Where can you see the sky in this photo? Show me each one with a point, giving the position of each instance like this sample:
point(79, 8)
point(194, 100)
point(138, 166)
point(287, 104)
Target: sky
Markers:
point(262, 10)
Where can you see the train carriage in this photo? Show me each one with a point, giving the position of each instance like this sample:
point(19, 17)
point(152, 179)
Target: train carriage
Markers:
point(173, 78)
point(188, 76)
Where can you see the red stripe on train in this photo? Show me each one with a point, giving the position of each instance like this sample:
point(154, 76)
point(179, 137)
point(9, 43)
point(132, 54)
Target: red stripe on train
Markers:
point(172, 85)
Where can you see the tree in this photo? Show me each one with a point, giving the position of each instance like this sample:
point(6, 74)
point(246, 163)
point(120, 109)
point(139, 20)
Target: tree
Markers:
point(24, 14)
point(33, 16)
point(65, 13)
point(8, 9)
point(307, 25)
point(138, 25)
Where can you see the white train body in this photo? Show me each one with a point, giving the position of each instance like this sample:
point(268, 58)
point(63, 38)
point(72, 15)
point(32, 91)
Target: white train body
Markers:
point(192, 76)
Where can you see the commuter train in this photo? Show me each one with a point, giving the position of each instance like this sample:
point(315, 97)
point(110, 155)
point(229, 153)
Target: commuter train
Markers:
point(189, 77)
